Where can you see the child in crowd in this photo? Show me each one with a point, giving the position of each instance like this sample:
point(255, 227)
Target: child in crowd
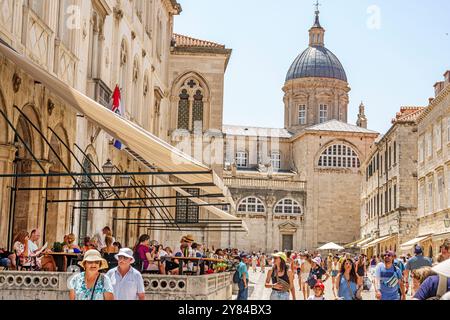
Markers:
point(319, 291)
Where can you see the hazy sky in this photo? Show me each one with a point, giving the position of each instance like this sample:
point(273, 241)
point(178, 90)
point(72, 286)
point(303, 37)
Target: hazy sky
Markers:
point(390, 62)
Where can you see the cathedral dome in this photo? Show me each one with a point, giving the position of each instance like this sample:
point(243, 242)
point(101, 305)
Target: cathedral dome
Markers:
point(316, 62)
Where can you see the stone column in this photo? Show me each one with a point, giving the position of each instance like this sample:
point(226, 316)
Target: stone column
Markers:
point(7, 154)
point(270, 236)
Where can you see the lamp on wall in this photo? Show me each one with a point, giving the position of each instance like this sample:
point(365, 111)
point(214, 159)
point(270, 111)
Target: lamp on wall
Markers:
point(447, 221)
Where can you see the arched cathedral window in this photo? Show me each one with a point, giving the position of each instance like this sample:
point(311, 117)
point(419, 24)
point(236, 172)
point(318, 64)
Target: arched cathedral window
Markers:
point(191, 105)
point(288, 206)
point(252, 205)
point(339, 156)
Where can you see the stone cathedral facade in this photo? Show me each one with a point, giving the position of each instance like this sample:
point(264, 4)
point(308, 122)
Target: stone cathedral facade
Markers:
point(296, 187)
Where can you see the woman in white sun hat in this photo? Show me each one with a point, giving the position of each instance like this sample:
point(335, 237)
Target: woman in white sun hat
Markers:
point(91, 284)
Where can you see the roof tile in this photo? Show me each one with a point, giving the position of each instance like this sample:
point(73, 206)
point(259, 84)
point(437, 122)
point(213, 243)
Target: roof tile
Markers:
point(185, 41)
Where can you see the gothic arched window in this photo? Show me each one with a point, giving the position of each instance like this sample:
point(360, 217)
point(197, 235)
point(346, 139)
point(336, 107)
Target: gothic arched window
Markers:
point(191, 105)
point(339, 156)
point(288, 206)
point(252, 205)
point(197, 112)
point(183, 110)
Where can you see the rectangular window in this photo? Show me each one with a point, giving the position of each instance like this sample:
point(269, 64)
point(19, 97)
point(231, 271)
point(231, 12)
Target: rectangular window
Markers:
point(421, 150)
point(302, 114)
point(395, 197)
point(275, 160)
point(241, 159)
point(437, 136)
point(323, 113)
point(395, 152)
point(440, 204)
point(386, 161)
point(381, 165)
point(429, 141)
point(390, 157)
point(430, 197)
point(390, 200)
point(386, 203)
point(186, 210)
point(422, 196)
point(448, 188)
point(448, 129)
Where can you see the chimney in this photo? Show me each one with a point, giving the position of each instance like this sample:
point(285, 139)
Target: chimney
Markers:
point(447, 77)
point(438, 87)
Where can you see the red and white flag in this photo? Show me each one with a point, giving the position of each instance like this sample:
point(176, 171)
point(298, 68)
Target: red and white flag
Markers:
point(117, 108)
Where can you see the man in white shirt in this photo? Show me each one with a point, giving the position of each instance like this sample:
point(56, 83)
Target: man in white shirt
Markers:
point(32, 242)
point(127, 282)
point(45, 263)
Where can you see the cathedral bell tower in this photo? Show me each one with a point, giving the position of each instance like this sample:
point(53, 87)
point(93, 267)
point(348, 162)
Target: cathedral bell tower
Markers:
point(316, 88)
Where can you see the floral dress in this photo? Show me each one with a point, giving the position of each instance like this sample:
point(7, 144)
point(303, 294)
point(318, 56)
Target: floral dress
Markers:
point(25, 260)
point(78, 283)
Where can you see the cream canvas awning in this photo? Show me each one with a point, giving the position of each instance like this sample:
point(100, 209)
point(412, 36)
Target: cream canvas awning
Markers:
point(377, 241)
point(357, 244)
point(155, 151)
point(410, 244)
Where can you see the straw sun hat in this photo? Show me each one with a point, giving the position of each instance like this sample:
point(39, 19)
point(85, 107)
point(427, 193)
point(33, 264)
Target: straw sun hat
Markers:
point(94, 255)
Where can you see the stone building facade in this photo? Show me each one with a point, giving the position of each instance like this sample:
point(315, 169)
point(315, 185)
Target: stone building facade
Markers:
point(299, 187)
point(93, 46)
point(296, 187)
point(389, 193)
point(433, 169)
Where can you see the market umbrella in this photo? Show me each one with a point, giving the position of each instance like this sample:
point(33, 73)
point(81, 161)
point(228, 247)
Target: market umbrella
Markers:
point(331, 246)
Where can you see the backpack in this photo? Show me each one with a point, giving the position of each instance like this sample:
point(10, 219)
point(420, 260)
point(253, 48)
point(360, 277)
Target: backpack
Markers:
point(138, 263)
point(236, 277)
point(442, 288)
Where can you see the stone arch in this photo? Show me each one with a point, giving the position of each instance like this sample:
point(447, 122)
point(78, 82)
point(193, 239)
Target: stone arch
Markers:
point(36, 142)
point(28, 206)
point(57, 212)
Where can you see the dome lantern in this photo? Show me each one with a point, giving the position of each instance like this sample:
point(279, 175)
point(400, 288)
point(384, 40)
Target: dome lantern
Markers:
point(317, 33)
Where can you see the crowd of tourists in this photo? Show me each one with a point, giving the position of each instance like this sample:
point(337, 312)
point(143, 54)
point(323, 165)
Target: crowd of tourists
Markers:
point(390, 276)
point(113, 272)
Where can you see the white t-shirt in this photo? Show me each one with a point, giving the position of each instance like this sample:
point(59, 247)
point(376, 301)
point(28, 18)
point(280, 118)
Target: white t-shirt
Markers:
point(313, 297)
point(31, 247)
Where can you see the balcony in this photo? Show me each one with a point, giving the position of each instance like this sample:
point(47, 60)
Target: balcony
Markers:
point(258, 183)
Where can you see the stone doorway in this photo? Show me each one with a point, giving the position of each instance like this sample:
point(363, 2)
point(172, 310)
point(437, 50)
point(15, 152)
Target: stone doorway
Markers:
point(287, 242)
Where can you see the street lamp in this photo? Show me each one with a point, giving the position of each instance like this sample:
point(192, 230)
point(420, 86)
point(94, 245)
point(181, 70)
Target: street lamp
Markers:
point(108, 169)
point(125, 180)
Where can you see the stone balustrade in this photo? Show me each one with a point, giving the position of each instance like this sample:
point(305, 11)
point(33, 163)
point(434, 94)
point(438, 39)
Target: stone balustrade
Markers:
point(22, 285)
point(265, 183)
